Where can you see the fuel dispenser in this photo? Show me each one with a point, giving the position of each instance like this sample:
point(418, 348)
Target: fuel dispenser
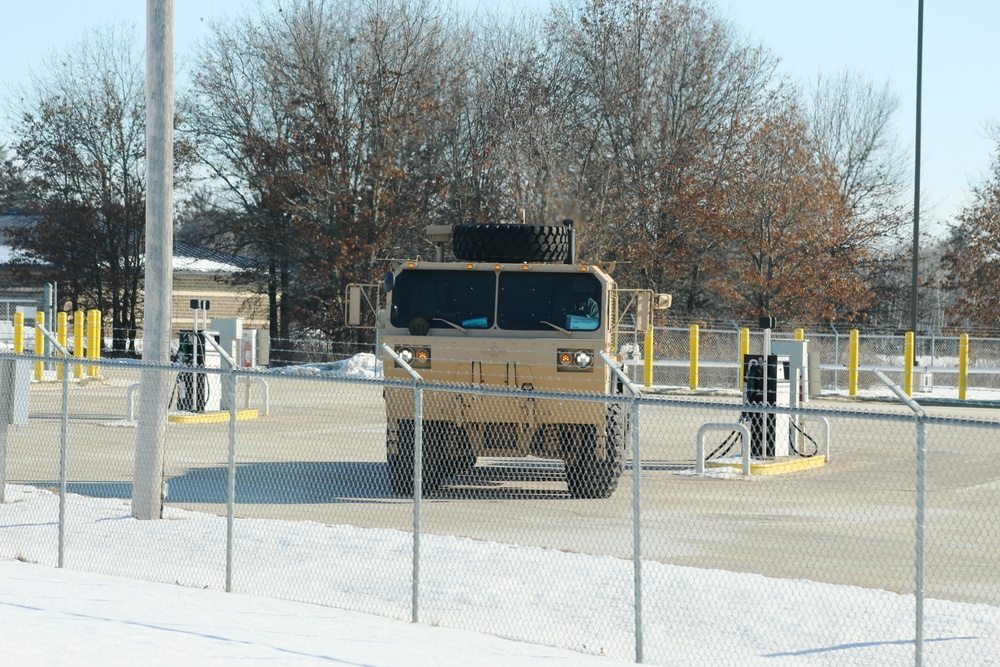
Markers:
point(766, 384)
point(198, 391)
point(778, 380)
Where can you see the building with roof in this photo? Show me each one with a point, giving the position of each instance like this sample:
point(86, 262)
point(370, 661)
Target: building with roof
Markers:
point(199, 273)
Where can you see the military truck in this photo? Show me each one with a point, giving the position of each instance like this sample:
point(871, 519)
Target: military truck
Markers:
point(515, 310)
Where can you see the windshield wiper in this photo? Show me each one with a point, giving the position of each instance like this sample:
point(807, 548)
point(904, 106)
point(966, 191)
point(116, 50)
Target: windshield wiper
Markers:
point(452, 325)
point(557, 328)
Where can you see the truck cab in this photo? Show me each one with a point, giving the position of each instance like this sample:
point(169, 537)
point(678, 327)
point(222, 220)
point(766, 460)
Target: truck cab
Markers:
point(499, 318)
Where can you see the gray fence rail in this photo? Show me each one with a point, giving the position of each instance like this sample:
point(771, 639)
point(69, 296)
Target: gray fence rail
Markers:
point(886, 554)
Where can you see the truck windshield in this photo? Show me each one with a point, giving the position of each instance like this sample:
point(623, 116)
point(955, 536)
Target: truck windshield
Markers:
point(536, 301)
point(445, 299)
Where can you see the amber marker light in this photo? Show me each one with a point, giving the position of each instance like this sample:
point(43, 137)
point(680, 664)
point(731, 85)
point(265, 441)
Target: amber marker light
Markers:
point(525, 267)
point(497, 267)
point(411, 265)
point(470, 266)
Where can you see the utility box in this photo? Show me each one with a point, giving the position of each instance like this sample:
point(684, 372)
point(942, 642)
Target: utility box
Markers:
point(230, 332)
point(198, 391)
point(248, 353)
point(263, 347)
point(15, 385)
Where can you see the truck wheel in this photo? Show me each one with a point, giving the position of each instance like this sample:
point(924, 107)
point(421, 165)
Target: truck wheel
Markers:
point(510, 243)
point(401, 464)
point(586, 475)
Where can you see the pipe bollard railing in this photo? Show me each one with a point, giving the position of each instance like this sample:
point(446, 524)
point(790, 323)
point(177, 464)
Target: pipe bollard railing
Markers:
point(825, 423)
point(718, 426)
point(265, 398)
point(130, 401)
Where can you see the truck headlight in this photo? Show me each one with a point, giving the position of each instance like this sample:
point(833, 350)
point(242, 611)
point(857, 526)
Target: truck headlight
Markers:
point(575, 360)
point(415, 357)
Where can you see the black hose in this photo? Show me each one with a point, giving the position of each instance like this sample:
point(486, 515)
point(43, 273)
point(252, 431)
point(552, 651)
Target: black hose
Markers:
point(809, 438)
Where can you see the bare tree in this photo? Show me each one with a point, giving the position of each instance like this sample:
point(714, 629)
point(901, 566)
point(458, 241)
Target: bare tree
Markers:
point(80, 128)
point(665, 91)
point(788, 252)
point(973, 259)
point(851, 121)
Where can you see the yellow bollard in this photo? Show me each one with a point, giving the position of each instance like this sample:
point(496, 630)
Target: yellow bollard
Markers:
point(963, 365)
point(694, 356)
point(78, 318)
point(647, 375)
point(18, 333)
point(800, 334)
point(908, 363)
point(852, 364)
point(39, 346)
point(93, 340)
point(744, 351)
point(61, 327)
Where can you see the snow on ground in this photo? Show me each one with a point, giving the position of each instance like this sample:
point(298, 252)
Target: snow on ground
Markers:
point(363, 365)
point(572, 601)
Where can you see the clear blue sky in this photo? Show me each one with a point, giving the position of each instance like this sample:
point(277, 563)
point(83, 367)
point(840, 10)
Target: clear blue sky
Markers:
point(961, 86)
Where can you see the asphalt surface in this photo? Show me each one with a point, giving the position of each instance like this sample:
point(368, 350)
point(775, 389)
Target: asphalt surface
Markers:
point(319, 455)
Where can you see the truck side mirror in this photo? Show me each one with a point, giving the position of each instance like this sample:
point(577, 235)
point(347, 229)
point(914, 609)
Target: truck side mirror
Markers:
point(662, 301)
point(643, 302)
point(354, 305)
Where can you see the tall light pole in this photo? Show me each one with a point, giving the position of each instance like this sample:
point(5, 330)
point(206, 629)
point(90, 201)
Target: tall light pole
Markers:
point(147, 480)
point(916, 173)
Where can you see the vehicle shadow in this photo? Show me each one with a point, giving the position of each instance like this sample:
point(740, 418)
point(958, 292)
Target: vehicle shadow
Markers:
point(325, 482)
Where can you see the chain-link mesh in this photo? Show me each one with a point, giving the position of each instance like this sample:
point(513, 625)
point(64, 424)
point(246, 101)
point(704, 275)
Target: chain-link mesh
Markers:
point(936, 359)
point(527, 512)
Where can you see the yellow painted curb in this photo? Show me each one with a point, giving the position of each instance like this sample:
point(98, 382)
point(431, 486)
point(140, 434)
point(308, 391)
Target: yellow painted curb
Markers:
point(210, 417)
point(775, 467)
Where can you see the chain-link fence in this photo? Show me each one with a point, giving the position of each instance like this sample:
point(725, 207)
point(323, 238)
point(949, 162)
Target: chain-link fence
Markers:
point(603, 537)
point(936, 358)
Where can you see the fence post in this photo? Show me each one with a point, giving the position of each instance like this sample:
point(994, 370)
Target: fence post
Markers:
point(231, 480)
point(836, 359)
point(694, 338)
point(637, 528)
point(852, 364)
point(963, 364)
point(908, 363)
point(919, 576)
point(39, 346)
point(744, 351)
point(63, 461)
point(418, 483)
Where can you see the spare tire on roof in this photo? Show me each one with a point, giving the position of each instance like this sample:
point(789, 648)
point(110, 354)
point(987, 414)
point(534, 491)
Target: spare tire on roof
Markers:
point(510, 243)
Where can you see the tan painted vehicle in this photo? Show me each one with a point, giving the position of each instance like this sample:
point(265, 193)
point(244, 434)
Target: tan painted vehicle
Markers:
point(514, 311)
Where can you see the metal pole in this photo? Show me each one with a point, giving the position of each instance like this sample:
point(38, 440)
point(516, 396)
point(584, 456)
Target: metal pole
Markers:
point(147, 500)
point(921, 504)
point(7, 371)
point(231, 481)
point(63, 456)
point(836, 359)
point(637, 528)
point(916, 170)
point(418, 483)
